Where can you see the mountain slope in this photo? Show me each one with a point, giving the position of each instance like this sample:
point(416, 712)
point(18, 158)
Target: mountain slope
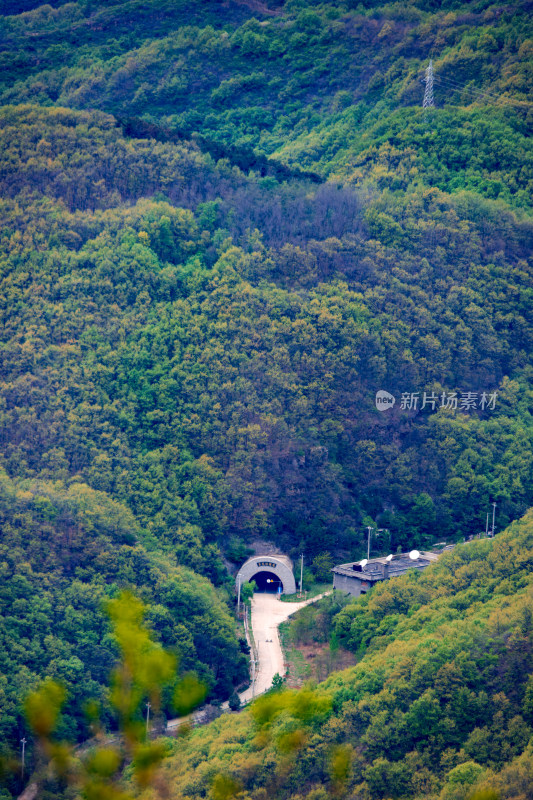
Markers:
point(64, 551)
point(232, 387)
point(225, 228)
point(440, 702)
point(328, 86)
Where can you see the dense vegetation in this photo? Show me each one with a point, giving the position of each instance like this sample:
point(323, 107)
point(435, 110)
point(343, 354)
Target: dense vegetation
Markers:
point(440, 703)
point(64, 550)
point(301, 80)
point(220, 380)
point(224, 228)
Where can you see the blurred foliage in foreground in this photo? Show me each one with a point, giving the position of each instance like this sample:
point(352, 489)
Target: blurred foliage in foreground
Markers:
point(439, 706)
point(144, 670)
point(64, 552)
point(193, 338)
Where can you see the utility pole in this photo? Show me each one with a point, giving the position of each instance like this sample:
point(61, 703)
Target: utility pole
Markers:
point(148, 707)
point(487, 527)
point(23, 740)
point(378, 531)
point(301, 573)
point(493, 517)
point(239, 581)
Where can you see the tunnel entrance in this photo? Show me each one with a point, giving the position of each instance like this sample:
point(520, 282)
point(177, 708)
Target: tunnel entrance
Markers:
point(267, 582)
point(270, 572)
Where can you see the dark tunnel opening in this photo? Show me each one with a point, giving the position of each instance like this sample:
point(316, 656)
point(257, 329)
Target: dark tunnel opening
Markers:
point(267, 582)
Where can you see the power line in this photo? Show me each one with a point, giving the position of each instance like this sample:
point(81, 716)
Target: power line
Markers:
point(464, 88)
point(475, 95)
point(450, 83)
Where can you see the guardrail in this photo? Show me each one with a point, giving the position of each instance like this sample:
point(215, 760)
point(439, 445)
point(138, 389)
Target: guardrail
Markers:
point(248, 631)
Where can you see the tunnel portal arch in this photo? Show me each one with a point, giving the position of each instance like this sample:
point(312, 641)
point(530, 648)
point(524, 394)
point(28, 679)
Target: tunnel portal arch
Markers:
point(268, 568)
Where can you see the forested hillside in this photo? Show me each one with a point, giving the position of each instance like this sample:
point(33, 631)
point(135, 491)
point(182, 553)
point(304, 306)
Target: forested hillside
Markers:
point(210, 355)
point(440, 704)
point(63, 552)
point(224, 228)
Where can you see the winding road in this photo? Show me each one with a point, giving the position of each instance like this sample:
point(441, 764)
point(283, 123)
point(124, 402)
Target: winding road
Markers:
point(267, 613)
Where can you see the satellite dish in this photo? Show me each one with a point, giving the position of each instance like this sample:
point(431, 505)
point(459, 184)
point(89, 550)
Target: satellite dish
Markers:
point(364, 562)
point(414, 554)
point(389, 558)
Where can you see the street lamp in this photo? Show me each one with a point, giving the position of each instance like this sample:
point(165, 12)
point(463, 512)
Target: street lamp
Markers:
point(23, 741)
point(148, 707)
point(370, 529)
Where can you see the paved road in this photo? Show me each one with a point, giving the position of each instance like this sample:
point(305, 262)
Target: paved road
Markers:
point(267, 613)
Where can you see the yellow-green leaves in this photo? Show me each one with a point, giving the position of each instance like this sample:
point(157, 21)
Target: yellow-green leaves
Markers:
point(42, 707)
point(291, 742)
point(265, 708)
point(103, 762)
point(147, 757)
point(296, 711)
point(340, 765)
point(144, 669)
point(224, 788)
point(189, 693)
point(305, 705)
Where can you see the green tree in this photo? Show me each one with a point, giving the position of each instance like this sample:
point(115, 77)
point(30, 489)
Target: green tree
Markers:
point(142, 673)
point(322, 566)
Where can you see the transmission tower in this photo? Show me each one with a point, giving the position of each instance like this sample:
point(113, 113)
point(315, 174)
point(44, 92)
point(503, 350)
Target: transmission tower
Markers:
point(429, 101)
